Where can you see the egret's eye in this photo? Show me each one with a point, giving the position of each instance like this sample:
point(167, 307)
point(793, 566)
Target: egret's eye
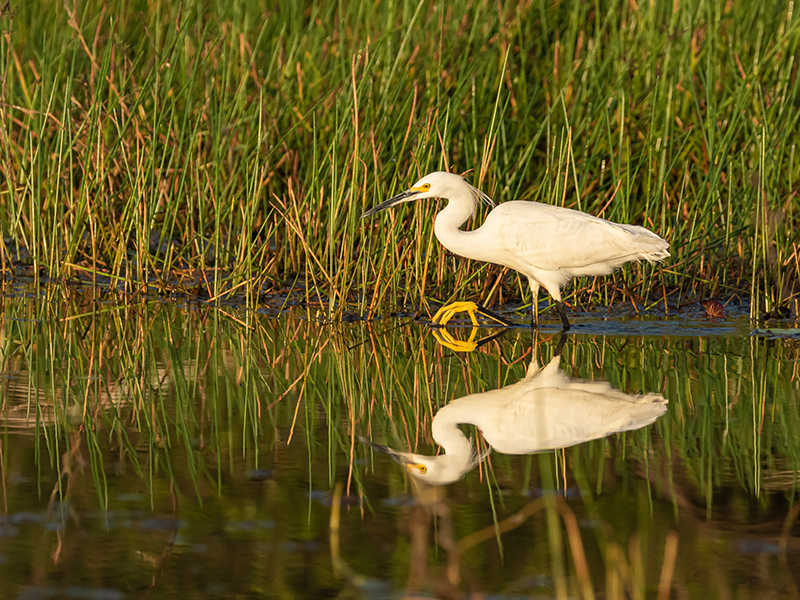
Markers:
point(422, 468)
point(426, 186)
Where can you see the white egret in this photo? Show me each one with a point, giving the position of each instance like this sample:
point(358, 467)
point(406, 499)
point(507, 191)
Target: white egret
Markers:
point(550, 245)
point(543, 411)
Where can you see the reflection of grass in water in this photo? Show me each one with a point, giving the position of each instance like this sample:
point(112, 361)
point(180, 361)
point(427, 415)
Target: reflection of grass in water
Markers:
point(194, 142)
point(182, 403)
point(691, 454)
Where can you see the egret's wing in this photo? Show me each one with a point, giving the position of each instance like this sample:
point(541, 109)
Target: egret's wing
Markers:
point(548, 418)
point(553, 238)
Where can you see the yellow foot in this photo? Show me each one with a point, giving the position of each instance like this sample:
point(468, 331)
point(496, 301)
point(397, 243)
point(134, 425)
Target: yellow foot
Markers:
point(444, 314)
point(447, 312)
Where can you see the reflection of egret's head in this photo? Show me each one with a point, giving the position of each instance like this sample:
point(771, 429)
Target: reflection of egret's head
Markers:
point(417, 468)
point(435, 470)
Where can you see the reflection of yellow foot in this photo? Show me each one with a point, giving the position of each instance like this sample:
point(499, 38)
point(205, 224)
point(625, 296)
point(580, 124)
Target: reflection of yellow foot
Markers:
point(448, 341)
point(447, 312)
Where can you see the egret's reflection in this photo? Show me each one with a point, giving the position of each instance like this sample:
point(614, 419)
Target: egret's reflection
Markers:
point(543, 411)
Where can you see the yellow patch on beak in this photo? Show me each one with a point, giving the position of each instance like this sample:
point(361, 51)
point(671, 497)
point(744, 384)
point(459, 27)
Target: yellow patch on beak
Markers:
point(418, 466)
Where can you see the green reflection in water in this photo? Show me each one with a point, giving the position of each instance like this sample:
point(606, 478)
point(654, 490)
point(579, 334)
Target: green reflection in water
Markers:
point(149, 448)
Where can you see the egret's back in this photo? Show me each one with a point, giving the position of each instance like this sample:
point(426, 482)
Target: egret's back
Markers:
point(547, 409)
point(552, 245)
point(551, 238)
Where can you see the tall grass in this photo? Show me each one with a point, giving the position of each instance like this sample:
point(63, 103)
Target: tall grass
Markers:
point(230, 147)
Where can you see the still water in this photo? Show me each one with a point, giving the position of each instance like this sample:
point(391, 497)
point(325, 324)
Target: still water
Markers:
point(160, 450)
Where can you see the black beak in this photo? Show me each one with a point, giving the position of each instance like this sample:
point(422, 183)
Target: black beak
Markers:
point(397, 456)
point(402, 197)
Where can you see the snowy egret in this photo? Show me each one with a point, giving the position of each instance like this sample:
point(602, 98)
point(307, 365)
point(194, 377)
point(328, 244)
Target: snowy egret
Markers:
point(550, 245)
point(543, 411)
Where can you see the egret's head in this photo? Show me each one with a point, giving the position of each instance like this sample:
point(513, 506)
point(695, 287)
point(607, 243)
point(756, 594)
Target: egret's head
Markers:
point(438, 184)
point(417, 466)
point(434, 470)
point(442, 469)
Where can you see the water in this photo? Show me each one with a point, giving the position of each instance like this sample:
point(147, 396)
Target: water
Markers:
point(156, 450)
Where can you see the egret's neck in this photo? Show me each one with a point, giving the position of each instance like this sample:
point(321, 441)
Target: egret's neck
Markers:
point(447, 434)
point(447, 223)
point(460, 454)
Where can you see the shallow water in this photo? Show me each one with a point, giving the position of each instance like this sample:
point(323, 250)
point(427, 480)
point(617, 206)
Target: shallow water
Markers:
point(156, 450)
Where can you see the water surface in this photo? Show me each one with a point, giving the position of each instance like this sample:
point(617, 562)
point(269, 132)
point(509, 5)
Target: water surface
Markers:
point(154, 449)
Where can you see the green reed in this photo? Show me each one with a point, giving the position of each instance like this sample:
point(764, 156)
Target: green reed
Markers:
point(232, 147)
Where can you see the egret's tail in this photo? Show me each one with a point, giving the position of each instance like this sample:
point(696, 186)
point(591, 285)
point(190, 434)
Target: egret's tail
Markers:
point(648, 245)
point(658, 255)
point(648, 408)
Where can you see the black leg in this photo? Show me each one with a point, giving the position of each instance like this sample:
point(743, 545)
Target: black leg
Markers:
point(563, 314)
point(561, 342)
point(535, 315)
point(487, 313)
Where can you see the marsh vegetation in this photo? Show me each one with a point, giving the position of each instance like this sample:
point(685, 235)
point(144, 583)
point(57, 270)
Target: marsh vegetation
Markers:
point(228, 148)
point(188, 345)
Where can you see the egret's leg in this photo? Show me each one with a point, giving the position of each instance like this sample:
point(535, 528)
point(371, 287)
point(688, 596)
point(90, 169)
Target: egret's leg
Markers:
point(563, 314)
point(534, 303)
point(561, 342)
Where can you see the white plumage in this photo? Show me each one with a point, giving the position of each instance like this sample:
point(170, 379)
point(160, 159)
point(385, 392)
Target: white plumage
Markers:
point(550, 245)
point(543, 411)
